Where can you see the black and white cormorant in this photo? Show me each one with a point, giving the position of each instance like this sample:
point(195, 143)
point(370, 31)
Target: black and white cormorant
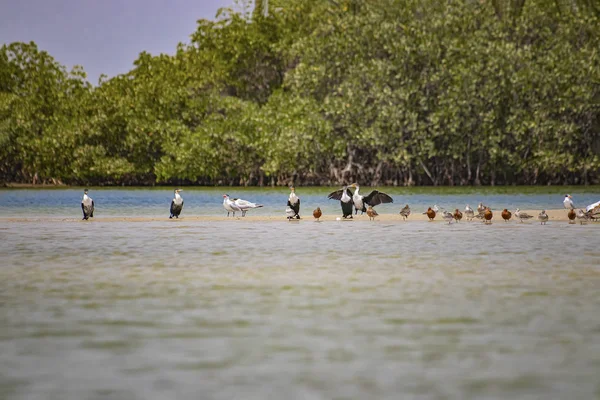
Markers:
point(293, 205)
point(345, 197)
point(372, 199)
point(87, 205)
point(176, 204)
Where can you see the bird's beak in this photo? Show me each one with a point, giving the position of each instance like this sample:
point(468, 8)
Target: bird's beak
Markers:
point(353, 185)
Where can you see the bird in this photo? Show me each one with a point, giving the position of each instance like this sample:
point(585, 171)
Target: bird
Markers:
point(294, 204)
point(230, 206)
point(317, 213)
point(469, 214)
point(344, 195)
point(582, 216)
point(488, 215)
point(572, 214)
point(447, 216)
point(593, 210)
point(481, 208)
point(430, 213)
point(522, 215)
point(568, 202)
point(176, 205)
point(87, 206)
point(405, 212)
point(457, 215)
point(246, 205)
point(506, 215)
point(543, 217)
point(371, 213)
point(435, 208)
point(372, 199)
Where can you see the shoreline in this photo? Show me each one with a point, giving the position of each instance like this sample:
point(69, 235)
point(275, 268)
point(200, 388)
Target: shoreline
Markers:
point(558, 215)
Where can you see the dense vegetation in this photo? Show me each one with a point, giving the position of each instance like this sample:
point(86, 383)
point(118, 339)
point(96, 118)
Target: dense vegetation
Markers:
point(398, 92)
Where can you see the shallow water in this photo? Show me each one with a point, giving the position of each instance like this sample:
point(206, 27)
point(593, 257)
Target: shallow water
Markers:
point(298, 310)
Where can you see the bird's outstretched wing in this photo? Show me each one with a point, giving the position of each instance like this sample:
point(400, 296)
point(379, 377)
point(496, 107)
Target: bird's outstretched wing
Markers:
point(337, 195)
point(376, 197)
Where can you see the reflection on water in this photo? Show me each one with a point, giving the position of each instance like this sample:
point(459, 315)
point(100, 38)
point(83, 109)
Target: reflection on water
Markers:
point(302, 310)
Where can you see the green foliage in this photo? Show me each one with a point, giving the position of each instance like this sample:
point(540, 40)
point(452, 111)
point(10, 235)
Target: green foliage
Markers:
point(397, 92)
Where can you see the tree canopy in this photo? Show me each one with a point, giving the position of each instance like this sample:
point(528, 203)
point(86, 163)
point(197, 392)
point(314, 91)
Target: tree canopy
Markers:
point(396, 92)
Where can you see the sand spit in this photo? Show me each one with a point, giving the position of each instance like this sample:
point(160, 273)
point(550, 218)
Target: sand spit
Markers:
point(554, 216)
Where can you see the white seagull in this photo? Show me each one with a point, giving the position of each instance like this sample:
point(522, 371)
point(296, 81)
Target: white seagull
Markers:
point(245, 205)
point(448, 216)
point(176, 205)
point(469, 214)
point(522, 215)
point(543, 217)
point(568, 202)
point(87, 205)
point(230, 206)
point(582, 217)
point(481, 208)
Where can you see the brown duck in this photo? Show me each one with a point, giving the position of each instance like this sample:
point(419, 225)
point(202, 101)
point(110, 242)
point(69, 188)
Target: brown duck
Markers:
point(457, 215)
point(506, 215)
point(487, 214)
point(430, 214)
point(317, 213)
point(572, 214)
point(371, 213)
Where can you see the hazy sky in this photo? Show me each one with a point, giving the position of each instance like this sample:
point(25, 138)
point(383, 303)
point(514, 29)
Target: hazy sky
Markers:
point(105, 36)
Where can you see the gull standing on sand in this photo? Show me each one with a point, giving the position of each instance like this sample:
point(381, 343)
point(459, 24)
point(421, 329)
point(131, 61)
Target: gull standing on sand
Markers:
point(344, 195)
point(543, 217)
point(293, 205)
point(447, 216)
point(176, 205)
point(469, 214)
point(245, 205)
point(230, 206)
point(405, 212)
point(481, 208)
point(568, 202)
point(582, 217)
point(522, 215)
point(87, 206)
point(372, 199)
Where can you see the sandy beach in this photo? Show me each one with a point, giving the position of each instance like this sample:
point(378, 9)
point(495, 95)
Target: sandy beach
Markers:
point(559, 215)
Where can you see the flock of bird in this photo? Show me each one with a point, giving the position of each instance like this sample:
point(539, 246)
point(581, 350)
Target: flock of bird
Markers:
point(355, 201)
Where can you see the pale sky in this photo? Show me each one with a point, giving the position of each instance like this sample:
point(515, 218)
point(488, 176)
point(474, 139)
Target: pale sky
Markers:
point(104, 36)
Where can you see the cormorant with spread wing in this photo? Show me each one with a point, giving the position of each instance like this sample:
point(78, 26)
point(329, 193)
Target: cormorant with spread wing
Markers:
point(345, 197)
point(372, 199)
